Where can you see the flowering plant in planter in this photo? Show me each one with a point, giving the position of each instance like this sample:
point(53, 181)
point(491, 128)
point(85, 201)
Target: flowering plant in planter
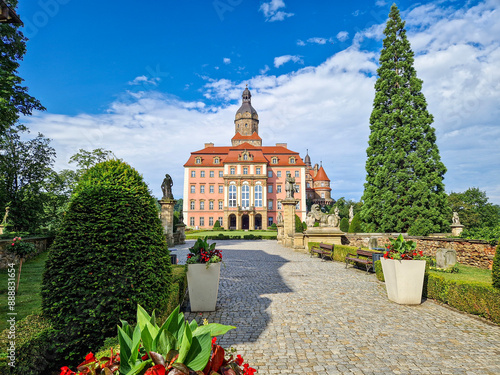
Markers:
point(204, 253)
point(401, 249)
point(175, 348)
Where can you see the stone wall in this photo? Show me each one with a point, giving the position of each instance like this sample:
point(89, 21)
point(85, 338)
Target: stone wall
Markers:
point(472, 252)
point(41, 244)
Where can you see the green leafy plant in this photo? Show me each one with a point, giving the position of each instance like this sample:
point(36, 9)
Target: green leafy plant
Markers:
point(344, 224)
point(401, 249)
point(203, 252)
point(176, 347)
point(495, 269)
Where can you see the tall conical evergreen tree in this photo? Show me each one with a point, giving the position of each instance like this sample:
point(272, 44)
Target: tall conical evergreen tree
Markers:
point(404, 190)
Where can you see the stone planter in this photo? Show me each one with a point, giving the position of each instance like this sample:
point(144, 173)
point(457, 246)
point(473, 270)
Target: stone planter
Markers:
point(203, 286)
point(404, 280)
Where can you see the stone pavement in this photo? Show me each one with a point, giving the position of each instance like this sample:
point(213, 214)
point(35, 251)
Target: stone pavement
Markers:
point(300, 315)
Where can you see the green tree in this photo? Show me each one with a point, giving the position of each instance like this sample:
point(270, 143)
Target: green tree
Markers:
point(473, 208)
point(86, 159)
point(344, 205)
point(355, 226)
point(404, 181)
point(344, 224)
point(14, 98)
point(109, 255)
point(298, 224)
point(24, 167)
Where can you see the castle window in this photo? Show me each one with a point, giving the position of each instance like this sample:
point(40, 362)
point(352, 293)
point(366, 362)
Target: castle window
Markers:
point(211, 189)
point(269, 188)
point(245, 170)
point(216, 160)
point(193, 173)
point(221, 173)
point(257, 170)
point(202, 205)
point(297, 174)
point(278, 188)
point(211, 174)
point(269, 173)
point(308, 185)
point(279, 205)
point(322, 183)
point(297, 207)
point(278, 174)
point(232, 196)
point(245, 156)
point(258, 196)
point(270, 205)
point(274, 160)
point(245, 196)
point(197, 160)
point(221, 189)
point(232, 170)
point(220, 221)
point(191, 221)
point(323, 195)
point(220, 207)
point(292, 160)
point(202, 221)
point(193, 189)
point(202, 173)
point(297, 188)
point(191, 205)
point(211, 205)
point(202, 189)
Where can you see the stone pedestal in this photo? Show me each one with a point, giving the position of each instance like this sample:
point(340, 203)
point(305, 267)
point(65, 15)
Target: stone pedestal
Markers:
point(289, 221)
point(456, 229)
point(181, 229)
point(298, 241)
point(279, 236)
point(328, 235)
point(167, 219)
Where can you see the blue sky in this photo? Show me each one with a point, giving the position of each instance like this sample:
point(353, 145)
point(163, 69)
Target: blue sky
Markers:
point(154, 80)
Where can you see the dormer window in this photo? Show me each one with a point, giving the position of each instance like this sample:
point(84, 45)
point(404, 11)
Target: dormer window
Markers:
point(216, 160)
point(292, 160)
point(245, 156)
point(274, 160)
point(197, 160)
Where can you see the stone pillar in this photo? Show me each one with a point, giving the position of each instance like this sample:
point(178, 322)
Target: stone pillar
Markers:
point(289, 221)
point(279, 236)
point(251, 221)
point(167, 219)
point(456, 229)
point(238, 221)
point(181, 229)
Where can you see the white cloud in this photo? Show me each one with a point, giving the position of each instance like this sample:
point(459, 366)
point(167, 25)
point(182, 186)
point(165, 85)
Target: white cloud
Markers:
point(280, 60)
point(324, 108)
point(272, 12)
point(226, 60)
point(317, 40)
point(301, 43)
point(143, 80)
point(343, 36)
point(380, 3)
point(264, 70)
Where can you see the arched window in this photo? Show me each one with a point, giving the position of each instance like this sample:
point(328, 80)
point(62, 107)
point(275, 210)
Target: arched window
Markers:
point(274, 160)
point(232, 195)
point(258, 196)
point(245, 196)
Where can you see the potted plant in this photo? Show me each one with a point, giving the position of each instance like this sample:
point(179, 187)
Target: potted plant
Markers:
point(203, 271)
point(404, 272)
point(176, 348)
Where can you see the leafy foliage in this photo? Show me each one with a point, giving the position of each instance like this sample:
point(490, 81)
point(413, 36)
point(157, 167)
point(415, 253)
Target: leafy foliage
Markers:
point(298, 224)
point(405, 174)
point(109, 255)
point(401, 249)
point(203, 252)
point(14, 98)
point(474, 210)
point(84, 159)
point(490, 234)
point(24, 166)
point(344, 224)
point(495, 270)
point(355, 226)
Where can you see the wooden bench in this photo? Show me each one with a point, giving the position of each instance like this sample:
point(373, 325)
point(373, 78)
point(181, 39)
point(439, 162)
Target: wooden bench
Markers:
point(323, 250)
point(367, 259)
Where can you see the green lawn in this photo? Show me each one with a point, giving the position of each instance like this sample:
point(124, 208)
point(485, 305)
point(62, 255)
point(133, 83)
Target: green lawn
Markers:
point(28, 298)
point(201, 234)
point(467, 273)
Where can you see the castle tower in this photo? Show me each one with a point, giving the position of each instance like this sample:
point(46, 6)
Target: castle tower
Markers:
point(246, 123)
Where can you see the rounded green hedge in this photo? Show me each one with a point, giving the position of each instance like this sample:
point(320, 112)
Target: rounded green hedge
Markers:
point(344, 224)
point(109, 255)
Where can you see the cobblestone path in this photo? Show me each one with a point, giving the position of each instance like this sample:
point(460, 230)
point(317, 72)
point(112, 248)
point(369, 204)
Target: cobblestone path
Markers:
point(300, 315)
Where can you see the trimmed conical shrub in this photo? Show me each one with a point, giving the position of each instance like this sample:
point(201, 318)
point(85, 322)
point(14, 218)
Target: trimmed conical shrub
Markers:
point(355, 226)
point(344, 224)
point(109, 256)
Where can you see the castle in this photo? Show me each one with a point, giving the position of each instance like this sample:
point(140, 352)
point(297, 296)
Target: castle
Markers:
point(242, 185)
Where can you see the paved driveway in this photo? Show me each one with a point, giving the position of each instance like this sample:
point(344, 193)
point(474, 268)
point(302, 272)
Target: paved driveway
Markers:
point(300, 315)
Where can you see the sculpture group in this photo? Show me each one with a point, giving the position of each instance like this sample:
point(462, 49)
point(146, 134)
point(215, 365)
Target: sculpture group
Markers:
point(324, 220)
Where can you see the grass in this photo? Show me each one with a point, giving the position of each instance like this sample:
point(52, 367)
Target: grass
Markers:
point(28, 298)
point(467, 273)
point(263, 233)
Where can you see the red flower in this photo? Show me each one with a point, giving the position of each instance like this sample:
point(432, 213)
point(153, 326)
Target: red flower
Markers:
point(214, 339)
point(156, 370)
point(239, 360)
point(386, 254)
point(66, 371)
point(90, 357)
point(13, 243)
point(421, 253)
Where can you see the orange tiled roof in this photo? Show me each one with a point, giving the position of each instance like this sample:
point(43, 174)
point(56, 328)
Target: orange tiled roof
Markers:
point(321, 175)
point(253, 137)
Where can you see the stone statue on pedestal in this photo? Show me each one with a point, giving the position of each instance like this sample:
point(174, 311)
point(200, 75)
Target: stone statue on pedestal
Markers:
point(4, 221)
point(289, 185)
point(166, 187)
point(351, 214)
point(280, 218)
point(455, 219)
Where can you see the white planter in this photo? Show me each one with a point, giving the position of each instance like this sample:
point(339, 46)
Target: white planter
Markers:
point(404, 280)
point(203, 286)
